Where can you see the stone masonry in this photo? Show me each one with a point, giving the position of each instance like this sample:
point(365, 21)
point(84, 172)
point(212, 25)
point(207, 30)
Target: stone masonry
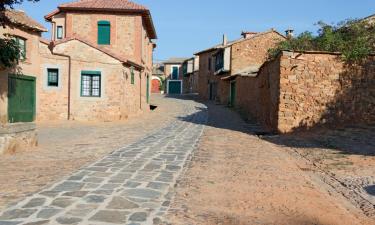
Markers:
point(133, 185)
point(300, 90)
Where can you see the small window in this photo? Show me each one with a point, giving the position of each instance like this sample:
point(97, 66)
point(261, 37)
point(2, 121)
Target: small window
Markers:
point(53, 77)
point(132, 75)
point(90, 84)
point(104, 33)
point(21, 42)
point(59, 32)
point(209, 64)
point(175, 73)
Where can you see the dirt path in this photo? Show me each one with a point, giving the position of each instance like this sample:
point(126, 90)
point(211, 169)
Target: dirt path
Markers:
point(66, 147)
point(236, 178)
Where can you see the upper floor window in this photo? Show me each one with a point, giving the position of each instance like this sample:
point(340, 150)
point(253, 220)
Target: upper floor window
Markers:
point(209, 64)
point(21, 42)
point(174, 72)
point(59, 32)
point(219, 61)
point(104, 32)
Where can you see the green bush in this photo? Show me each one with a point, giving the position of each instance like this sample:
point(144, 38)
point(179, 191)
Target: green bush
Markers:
point(9, 53)
point(355, 39)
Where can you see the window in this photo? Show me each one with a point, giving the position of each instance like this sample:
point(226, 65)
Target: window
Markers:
point(174, 72)
point(104, 33)
point(185, 68)
point(219, 61)
point(209, 64)
point(90, 84)
point(59, 32)
point(132, 75)
point(53, 77)
point(21, 42)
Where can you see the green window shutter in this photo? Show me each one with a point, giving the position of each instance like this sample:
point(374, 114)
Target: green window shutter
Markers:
point(132, 75)
point(104, 33)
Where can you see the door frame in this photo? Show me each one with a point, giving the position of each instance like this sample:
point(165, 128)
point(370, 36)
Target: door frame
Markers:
point(232, 103)
point(174, 81)
point(24, 77)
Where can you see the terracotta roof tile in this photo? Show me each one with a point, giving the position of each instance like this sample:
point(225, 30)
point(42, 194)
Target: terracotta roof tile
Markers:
point(109, 6)
point(102, 49)
point(20, 18)
point(104, 4)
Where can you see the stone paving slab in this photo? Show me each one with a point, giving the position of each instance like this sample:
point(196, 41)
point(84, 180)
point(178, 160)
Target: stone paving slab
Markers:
point(132, 185)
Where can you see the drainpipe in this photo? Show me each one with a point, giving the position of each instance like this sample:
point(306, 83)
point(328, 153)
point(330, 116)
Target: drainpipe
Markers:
point(69, 78)
point(140, 90)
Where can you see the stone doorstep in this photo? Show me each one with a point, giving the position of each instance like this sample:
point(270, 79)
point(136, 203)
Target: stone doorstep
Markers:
point(11, 128)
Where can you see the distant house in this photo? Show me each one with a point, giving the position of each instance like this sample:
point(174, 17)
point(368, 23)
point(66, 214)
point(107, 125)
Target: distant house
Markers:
point(221, 64)
point(174, 82)
point(190, 73)
point(157, 78)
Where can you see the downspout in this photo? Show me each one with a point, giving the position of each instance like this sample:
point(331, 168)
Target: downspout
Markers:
point(69, 78)
point(140, 90)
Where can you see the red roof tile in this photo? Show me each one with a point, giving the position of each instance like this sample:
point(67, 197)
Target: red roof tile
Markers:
point(20, 18)
point(104, 4)
point(102, 49)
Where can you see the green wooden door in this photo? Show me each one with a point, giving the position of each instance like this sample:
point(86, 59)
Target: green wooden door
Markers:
point(232, 100)
point(174, 87)
point(21, 98)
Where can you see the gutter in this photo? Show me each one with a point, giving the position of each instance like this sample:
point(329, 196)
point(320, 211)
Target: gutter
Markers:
point(69, 76)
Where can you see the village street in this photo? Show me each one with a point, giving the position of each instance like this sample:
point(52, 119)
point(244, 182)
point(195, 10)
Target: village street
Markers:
point(197, 165)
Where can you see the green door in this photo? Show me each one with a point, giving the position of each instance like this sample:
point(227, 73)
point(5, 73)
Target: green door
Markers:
point(174, 87)
point(232, 101)
point(21, 98)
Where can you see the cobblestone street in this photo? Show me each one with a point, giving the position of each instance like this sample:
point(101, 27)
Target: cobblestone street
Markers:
point(199, 165)
point(130, 186)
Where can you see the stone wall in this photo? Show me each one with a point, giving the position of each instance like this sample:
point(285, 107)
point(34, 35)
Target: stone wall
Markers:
point(253, 50)
point(119, 98)
point(300, 91)
point(17, 136)
point(30, 66)
point(320, 89)
point(257, 97)
point(207, 78)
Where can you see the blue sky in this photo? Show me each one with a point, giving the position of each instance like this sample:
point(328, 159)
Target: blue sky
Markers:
point(185, 27)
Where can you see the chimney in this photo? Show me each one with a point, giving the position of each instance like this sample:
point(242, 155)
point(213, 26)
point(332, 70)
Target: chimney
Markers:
point(289, 33)
point(225, 40)
point(248, 34)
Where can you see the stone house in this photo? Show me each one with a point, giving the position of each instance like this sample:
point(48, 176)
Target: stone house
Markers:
point(96, 67)
point(189, 74)
point(17, 93)
point(221, 64)
point(101, 57)
point(174, 82)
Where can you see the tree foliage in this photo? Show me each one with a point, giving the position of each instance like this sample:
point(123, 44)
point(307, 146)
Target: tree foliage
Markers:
point(9, 49)
point(355, 39)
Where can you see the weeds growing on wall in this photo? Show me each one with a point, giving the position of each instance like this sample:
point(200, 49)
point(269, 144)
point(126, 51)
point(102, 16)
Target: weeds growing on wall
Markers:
point(355, 39)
